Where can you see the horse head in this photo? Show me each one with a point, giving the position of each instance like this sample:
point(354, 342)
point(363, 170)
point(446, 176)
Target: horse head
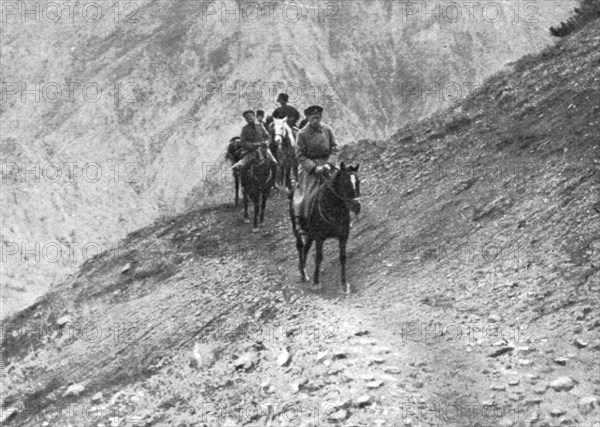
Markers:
point(282, 131)
point(346, 184)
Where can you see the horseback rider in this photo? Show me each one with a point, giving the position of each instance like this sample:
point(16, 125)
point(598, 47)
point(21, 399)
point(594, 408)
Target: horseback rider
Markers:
point(234, 150)
point(315, 148)
point(252, 137)
point(285, 110)
point(260, 117)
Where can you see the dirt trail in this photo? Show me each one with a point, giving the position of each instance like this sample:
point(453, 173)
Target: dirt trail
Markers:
point(476, 304)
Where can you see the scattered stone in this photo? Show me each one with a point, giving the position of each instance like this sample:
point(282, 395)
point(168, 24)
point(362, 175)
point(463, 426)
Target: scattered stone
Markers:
point(126, 268)
point(203, 356)
point(96, 398)
point(381, 350)
point(513, 382)
point(526, 350)
point(514, 397)
point(363, 400)
point(62, 321)
point(501, 351)
point(339, 415)
point(321, 356)
point(284, 358)
point(374, 384)
point(6, 414)
point(579, 343)
point(419, 384)
point(557, 412)
point(499, 387)
point(494, 318)
point(245, 361)
point(560, 361)
point(74, 390)
point(506, 422)
point(392, 370)
point(533, 400)
point(295, 386)
point(587, 404)
point(362, 333)
point(562, 383)
point(540, 389)
point(377, 360)
point(524, 362)
point(339, 354)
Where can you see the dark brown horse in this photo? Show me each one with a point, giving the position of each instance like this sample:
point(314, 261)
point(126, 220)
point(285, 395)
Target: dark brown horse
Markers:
point(283, 146)
point(234, 155)
point(329, 218)
point(258, 177)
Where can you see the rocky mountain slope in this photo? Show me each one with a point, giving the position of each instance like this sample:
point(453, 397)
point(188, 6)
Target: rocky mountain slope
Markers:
point(476, 266)
point(135, 98)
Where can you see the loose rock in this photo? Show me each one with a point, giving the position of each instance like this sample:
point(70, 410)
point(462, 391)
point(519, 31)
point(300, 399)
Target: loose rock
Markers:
point(562, 384)
point(74, 390)
point(284, 358)
point(587, 404)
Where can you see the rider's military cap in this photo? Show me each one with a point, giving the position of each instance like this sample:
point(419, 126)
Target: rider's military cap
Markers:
point(313, 109)
point(282, 97)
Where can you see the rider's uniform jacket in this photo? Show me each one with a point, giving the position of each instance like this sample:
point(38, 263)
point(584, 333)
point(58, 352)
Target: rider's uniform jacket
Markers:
point(252, 134)
point(288, 111)
point(314, 146)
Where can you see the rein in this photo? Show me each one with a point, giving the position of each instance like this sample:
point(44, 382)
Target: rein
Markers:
point(330, 188)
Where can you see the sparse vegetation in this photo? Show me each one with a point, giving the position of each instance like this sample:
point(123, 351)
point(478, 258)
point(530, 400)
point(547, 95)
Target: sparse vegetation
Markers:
point(588, 11)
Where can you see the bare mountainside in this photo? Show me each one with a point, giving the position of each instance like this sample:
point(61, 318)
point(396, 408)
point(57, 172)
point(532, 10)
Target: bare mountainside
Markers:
point(476, 266)
point(135, 98)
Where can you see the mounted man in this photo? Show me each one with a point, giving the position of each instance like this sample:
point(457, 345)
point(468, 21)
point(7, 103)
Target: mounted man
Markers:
point(285, 110)
point(253, 136)
point(315, 148)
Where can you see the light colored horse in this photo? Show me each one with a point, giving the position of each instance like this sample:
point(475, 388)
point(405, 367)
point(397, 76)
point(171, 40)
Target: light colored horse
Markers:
point(284, 142)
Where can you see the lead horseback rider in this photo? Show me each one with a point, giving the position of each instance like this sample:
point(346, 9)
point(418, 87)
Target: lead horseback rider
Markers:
point(253, 136)
point(285, 110)
point(315, 149)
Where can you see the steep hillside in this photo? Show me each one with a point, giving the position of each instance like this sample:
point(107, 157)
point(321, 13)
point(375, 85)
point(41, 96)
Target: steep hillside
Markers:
point(134, 100)
point(476, 266)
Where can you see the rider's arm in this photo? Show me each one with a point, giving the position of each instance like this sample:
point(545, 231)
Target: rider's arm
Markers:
point(262, 132)
point(334, 148)
point(307, 164)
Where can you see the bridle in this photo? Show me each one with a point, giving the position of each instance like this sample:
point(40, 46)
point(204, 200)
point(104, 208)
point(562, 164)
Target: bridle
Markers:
point(344, 200)
point(285, 132)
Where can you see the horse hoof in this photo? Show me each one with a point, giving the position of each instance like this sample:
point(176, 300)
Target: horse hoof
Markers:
point(316, 286)
point(304, 277)
point(347, 289)
point(246, 221)
point(255, 230)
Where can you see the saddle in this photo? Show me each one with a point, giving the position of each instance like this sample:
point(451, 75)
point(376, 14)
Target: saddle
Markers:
point(306, 202)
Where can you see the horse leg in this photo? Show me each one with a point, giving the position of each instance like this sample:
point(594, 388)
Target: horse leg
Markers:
point(255, 200)
point(305, 248)
point(245, 195)
point(263, 205)
point(345, 286)
point(237, 189)
point(318, 260)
